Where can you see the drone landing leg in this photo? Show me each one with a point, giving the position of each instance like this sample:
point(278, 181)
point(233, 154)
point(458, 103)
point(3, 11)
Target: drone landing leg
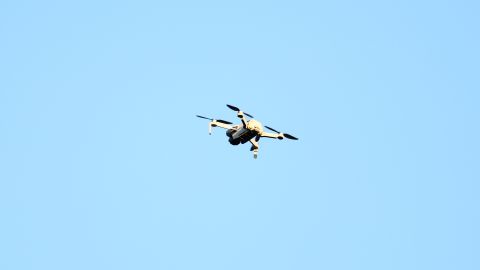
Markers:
point(254, 148)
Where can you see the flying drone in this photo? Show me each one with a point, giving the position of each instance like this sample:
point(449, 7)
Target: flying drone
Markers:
point(248, 131)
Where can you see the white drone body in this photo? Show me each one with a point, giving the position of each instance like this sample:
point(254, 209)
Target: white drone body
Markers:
point(248, 131)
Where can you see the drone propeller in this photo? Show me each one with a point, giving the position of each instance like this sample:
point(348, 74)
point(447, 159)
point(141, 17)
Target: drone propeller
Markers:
point(199, 116)
point(288, 136)
point(274, 130)
point(233, 108)
point(218, 120)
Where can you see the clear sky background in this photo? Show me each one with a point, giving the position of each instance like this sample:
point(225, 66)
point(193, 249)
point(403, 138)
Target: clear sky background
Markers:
point(103, 164)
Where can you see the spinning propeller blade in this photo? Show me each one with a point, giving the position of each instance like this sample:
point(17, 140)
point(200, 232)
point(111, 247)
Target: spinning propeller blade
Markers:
point(224, 122)
point(199, 116)
point(274, 130)
point(233, 108)
point(218, 120)
point(288, 136)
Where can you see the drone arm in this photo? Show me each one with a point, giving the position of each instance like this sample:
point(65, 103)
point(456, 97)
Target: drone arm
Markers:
point(242, 117)
point(217, 124)
point(271, 135)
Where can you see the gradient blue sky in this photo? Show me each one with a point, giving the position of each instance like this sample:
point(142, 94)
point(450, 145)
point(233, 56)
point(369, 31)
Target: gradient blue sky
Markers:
point(104, 166)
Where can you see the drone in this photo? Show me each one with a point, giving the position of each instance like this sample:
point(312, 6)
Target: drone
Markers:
point(248, 131)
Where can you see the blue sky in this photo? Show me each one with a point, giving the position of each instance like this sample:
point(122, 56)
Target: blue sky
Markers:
point(104, 166)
